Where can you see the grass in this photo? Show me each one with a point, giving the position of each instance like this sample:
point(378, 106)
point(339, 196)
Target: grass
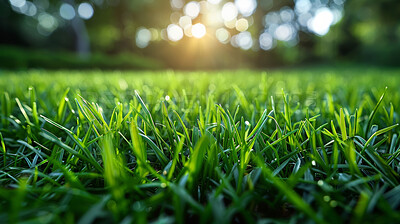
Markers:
point(301, 146)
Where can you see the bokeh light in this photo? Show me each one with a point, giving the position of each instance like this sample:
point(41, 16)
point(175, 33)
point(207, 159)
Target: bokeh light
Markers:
point(18, 3)
point(266, 41)
point(188, 31)
point(185, 21)
point(174, 17)
point(222, 35)
point(174, 32)
point(302, 6)
point(244, 40)
point(143, 37)
point(192, 9)
point(337, 15)
point(284, 32)
point(67, 11)
point(31, 9)
point(321, 22)
point(85, 10)
point(231, 24)
point(246, 7)
point(217, 16)
point(155, 34)
point(198, 30)
point(24, 7)
point(164, 34)
point(339, 2)
point(304, 18)
point(204, 7)
point(213, 17)
point(214, 2)
point(177, 4)
point(47, 24)
point(242, 25)
point(229, 11)
point(286, 14)
point(308, 16)
point(272, 18)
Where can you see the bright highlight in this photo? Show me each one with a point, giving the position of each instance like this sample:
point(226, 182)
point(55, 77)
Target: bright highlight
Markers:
point(242, 25)
point(192, 9)
point(246, 7)
point(198, 30)
point(229, 11)
point(174, 32)
point(85, 10)
point(222, 35)
point(321, 22)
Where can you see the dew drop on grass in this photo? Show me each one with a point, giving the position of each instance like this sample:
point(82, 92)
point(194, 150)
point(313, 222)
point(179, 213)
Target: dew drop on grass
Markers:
point(163, 185)
point(167, 98)
point(327, 198)
point(313, 163)
point(320, 182)
point(247, 123)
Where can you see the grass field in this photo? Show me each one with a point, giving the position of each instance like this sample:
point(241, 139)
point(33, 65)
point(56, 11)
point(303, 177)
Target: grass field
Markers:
point(314, 145)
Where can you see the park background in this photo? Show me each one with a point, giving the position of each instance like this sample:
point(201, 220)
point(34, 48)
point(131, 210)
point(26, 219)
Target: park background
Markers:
point(157, 34)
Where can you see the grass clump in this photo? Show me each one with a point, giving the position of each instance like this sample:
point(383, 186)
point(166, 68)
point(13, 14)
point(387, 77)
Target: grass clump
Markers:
point(230, 147)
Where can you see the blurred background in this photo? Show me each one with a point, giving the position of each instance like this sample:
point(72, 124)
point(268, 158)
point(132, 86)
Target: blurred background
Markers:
point(208, 34)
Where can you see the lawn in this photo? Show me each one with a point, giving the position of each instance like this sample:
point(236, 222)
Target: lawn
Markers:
point(307, 145)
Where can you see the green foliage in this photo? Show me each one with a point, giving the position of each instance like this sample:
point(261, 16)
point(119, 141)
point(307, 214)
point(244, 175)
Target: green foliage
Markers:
point(18, 58)
point(227, 147)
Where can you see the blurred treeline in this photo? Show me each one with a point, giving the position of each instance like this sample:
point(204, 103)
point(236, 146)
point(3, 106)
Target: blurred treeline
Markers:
point(369, 32)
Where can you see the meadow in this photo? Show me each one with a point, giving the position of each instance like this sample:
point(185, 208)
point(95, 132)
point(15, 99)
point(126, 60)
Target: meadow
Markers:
point(305, 145)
